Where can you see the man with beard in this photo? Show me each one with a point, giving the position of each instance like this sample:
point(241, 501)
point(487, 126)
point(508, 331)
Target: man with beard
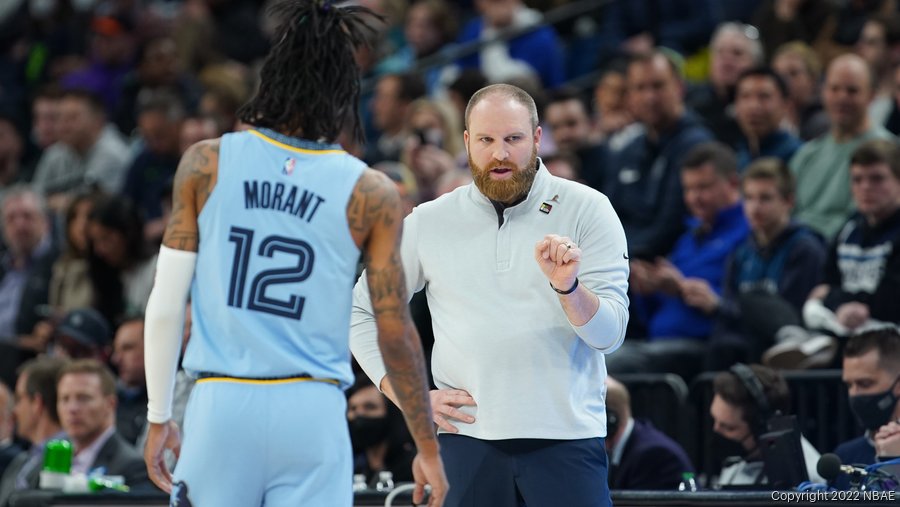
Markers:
point(519, 365)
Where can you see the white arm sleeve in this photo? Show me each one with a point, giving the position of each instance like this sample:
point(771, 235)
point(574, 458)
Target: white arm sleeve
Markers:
point(164, 328)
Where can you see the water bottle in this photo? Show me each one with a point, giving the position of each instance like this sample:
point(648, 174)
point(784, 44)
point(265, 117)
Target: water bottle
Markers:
point(385, 481)
point(57, 464)
point(359, 483)
point(688, 483)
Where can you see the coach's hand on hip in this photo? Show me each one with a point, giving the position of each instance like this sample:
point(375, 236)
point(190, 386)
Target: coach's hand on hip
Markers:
point(559, 258)
point(445, 405)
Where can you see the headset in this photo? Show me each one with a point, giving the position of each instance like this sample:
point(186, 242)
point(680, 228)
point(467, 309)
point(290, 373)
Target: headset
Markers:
point(752, 384)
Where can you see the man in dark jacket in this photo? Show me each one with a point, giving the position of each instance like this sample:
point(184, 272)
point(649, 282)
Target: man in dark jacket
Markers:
point(25, 262)
point(86, 402)
point(643, 179)
point(769, 275)
point(37, 422)
point(871, 370)
point(641, 456)
point(8, 448)
point(861, 286)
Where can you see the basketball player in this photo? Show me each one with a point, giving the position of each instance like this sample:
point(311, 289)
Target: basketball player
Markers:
point(266, 229)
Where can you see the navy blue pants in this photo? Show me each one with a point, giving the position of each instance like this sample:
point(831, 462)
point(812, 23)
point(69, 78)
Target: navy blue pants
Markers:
point(525, 472)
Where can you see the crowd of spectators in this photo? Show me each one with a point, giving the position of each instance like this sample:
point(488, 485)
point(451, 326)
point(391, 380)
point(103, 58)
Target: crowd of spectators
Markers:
point(748, 148)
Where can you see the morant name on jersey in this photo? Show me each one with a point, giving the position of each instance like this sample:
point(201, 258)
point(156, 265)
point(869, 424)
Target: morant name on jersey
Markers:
point(280, 197)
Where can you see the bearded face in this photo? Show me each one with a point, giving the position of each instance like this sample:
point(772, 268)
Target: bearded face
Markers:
point(504, 180)
point(502, 140)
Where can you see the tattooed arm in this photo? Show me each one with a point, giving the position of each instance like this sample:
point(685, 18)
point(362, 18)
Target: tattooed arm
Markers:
point(194, 180)
point(164, 319)
point(376, 220)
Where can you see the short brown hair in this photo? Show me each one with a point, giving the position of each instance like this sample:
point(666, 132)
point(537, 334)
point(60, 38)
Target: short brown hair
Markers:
point(772, 169)
point(886, 341)
point(94, 367)
point(878, 151)
point(444, 16)
point(42, 374)
point(728, 386)
point(93, 102)
point(505, 90)
point(809, 57)
point(670, 57)
point(718, 154)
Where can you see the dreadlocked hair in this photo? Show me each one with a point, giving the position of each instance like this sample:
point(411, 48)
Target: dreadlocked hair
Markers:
point(309, 82)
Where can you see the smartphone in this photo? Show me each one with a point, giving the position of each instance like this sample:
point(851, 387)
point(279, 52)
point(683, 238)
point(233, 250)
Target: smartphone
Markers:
point(429, 136)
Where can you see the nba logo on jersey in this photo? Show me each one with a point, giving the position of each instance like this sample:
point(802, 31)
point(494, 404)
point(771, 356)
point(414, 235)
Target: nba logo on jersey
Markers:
point(288, 168)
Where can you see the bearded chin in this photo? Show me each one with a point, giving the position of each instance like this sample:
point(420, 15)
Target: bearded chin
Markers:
point(509, 190)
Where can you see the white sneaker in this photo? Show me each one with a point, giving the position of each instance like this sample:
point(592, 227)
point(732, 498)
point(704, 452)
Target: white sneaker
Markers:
point(814, 352)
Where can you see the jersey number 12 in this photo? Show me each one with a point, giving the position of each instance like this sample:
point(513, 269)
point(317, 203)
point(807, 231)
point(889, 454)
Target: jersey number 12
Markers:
point(257, 299)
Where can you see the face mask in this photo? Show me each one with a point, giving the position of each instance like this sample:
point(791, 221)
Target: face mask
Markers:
point(41, 8)
point(725, 449)
point(874, 410)
point(367, 431)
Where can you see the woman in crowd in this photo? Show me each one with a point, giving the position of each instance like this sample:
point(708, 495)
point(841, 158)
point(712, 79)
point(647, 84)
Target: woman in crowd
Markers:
point(121, 264)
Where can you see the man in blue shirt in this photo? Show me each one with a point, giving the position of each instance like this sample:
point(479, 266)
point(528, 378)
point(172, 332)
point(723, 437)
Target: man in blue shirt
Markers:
point(676, 330)
point(536, 54)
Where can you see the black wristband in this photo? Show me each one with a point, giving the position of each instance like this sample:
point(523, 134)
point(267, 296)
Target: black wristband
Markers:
point(564, 292)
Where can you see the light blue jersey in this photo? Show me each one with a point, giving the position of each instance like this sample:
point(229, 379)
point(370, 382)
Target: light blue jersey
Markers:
point(271, 299)
point(276, 264)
